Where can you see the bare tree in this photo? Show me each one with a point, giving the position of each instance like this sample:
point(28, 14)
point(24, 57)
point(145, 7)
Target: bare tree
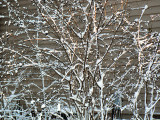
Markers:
point(147, 43)
point(82, 56)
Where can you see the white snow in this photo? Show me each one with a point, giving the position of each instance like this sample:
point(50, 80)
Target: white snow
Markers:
point(43, 106)
point(100, 83)
point(59, 107)
point(2, 16)
point(32, 101)
point(146, 6)
point(90, 91)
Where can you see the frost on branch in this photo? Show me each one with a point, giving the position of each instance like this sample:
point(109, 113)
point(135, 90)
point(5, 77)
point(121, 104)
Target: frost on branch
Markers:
point(73, 57)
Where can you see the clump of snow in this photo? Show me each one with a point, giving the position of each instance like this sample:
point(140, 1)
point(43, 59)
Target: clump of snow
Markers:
point(90, 91)
point(43, 106)
point(59, 107)
point(32, 101)
point(146, 6)
point(100, 83)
